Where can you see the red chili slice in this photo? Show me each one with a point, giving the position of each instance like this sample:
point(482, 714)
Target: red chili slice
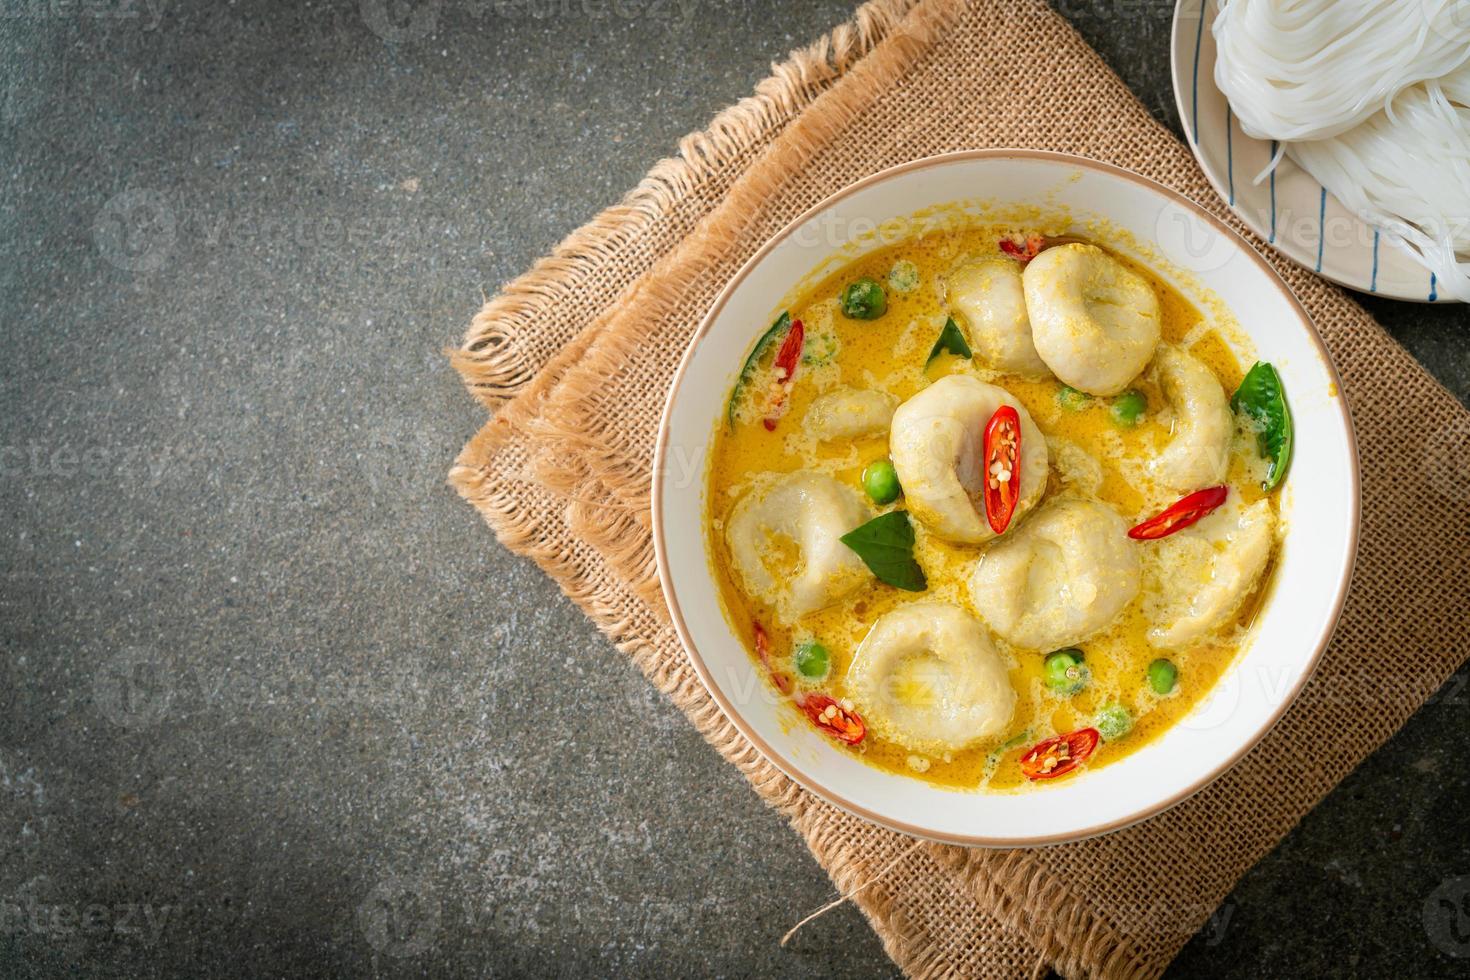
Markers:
point(1002, 474)
point(1180, 515)
point(839, 722)
point(1059, 754)
point(763, 650)
point(786, 360)
point(1023, 253)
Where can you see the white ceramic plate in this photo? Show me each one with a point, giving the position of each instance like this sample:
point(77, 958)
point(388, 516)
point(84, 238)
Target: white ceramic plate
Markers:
point(1320, 502)
point(1288, 209)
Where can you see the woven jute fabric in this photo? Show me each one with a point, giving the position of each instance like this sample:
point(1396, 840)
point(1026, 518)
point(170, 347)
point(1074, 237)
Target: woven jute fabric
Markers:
point(575, 360)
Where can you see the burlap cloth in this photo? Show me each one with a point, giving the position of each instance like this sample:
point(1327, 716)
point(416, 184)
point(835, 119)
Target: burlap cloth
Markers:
point(576, 356)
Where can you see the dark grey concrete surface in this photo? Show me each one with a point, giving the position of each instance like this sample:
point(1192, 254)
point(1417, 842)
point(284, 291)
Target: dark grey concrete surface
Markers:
point(273, 701)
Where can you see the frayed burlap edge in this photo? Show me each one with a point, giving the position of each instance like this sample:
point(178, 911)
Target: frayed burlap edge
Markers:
point(497, 358)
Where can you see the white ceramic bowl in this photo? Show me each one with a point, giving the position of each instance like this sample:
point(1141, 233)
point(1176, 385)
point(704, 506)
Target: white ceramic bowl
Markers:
point(1320, 504)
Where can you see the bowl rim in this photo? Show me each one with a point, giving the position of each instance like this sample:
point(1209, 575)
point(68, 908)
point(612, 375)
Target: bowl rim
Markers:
point(769, 752)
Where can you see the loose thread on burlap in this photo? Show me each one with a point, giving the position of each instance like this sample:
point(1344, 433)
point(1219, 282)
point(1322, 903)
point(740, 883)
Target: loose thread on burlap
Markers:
point(852, 894)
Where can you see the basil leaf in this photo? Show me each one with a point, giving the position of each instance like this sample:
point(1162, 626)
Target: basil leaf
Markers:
point(950, 339)
point(779, 328)
point(1262, 400)
point(886, 545)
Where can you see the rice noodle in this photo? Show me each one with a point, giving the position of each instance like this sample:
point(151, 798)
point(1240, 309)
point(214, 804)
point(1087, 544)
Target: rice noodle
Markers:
point(1310, 69)
point(1370, 97)
point(1409, 175)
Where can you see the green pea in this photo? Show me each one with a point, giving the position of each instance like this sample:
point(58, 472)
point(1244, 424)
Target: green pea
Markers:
point(1129, 407)
point(1113, 722)
point(864, 300)
point(904, 276)
point(1162, 676)
point(880, 480)
point(812, 660)
point(1065, 672)
point(1073, 400)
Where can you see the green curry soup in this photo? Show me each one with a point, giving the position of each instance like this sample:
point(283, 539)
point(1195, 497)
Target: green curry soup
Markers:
point(909, 406)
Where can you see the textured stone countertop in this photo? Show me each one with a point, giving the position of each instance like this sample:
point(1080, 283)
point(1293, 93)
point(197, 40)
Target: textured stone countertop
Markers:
point(274, 702)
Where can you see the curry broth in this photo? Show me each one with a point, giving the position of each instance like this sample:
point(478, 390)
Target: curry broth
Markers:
point(889, 354)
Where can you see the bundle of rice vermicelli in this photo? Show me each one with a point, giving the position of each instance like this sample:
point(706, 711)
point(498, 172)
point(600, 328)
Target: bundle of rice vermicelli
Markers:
point(1370, 97)
point(1408, 173)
